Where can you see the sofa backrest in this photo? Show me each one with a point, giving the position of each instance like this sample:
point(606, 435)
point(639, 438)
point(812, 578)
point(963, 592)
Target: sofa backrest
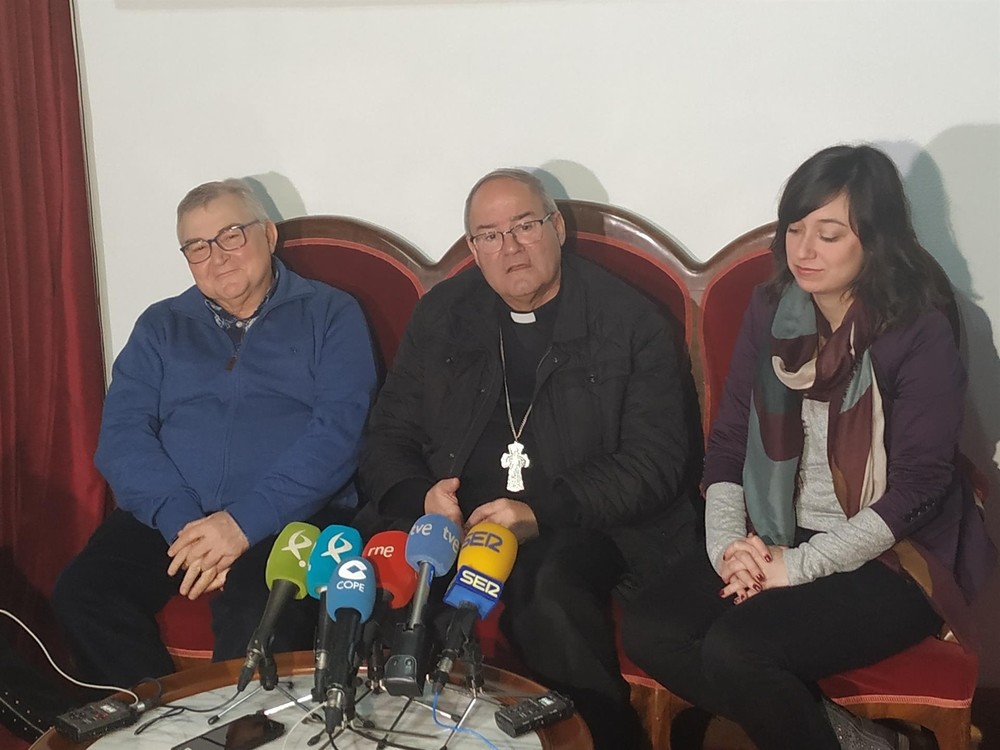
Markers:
point(384, 272)
point(388, 275)
point(726, 284)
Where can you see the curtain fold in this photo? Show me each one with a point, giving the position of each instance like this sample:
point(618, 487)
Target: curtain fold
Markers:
point(51, 372)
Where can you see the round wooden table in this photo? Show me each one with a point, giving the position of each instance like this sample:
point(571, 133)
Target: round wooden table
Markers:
point(568, 733)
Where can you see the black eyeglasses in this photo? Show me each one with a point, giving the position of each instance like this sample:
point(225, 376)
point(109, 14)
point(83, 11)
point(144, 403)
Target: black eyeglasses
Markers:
point(525, 232)
point(229, 239)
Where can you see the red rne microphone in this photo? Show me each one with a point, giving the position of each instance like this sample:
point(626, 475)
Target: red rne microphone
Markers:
point(394, 577)
point(395, 581)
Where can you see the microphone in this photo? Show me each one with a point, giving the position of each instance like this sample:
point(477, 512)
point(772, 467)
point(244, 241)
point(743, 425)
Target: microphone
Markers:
point(431, 549)
point(285, 575)
point(484, 564)
point(349, 603)
point(335, 545)
point(395, 581)
point(394, 575)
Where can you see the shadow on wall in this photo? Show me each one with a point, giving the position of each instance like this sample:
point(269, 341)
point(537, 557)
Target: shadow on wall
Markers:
point(952, 182)
point(281, 199)
point(569, 179)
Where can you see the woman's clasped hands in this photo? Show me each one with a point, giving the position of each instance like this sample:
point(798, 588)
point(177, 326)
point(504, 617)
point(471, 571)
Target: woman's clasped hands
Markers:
point(750, 566)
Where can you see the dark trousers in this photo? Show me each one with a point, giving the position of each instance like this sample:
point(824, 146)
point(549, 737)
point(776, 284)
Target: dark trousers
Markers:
point(108, 596)
point(757, 662)
point(557, 614)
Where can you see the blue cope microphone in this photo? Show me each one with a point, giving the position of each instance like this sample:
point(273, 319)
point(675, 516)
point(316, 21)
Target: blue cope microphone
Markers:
point(349, 603)
point(431, 549)
point(335, 545)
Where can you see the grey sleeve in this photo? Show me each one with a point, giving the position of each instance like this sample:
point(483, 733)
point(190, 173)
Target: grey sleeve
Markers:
point(845, 547)
point(725, 519)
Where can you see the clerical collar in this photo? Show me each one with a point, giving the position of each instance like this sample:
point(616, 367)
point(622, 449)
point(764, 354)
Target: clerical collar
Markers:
point(543, 313)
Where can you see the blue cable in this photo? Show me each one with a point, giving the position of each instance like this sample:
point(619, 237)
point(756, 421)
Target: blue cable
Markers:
point(456, 727)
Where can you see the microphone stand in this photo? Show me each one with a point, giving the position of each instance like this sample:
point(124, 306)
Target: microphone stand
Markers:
point(376, 666)
point(345, 661)
point(268, 671)
point(475, 681)
point(472, 655)
point(242, 698)
point(372, 642)
point(231, 706)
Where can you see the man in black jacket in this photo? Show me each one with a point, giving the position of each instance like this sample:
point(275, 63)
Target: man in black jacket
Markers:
point(539, 392)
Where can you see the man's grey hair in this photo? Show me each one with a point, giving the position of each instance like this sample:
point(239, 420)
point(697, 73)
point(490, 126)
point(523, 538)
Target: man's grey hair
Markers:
point(204, 194)
point(520, 175)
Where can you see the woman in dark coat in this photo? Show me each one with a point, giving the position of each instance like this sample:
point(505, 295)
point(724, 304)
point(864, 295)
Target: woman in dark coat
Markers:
point(838, 530)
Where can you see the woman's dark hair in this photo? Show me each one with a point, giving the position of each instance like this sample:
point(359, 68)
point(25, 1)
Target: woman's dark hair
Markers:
point(898, 279)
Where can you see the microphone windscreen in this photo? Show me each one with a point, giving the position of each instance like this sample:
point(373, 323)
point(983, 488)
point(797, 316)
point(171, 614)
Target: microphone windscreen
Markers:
point(484, 564)
point(336, 544)
point(352, 587)
point(387, 553)
point(489, 548)
point(433, 539)
point(290, 556)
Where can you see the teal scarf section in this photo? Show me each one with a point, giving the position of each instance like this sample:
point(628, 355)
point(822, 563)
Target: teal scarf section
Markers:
point(802, 358)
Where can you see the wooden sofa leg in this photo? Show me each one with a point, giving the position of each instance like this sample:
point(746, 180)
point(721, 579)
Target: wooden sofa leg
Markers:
point(953, 730)
point(657, 708)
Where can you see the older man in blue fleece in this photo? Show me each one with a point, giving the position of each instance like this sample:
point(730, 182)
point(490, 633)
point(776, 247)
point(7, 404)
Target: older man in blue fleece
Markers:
point(234, 408)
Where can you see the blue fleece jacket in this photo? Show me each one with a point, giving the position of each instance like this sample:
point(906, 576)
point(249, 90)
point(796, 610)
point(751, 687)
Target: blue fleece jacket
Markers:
point(269, 434)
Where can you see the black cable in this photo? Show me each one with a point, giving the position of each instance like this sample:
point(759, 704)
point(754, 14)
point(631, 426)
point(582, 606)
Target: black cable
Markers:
point(174, 710)
point(148, 703)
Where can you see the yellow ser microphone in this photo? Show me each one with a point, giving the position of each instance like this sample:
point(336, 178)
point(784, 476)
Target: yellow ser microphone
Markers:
point(485, 560)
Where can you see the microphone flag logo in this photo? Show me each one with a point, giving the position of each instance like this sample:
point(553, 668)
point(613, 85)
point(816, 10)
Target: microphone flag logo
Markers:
point(353, 570)
point(337, 547)
point(298, 542)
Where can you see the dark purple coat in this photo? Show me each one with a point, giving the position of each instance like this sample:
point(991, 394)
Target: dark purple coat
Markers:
point(927, 500)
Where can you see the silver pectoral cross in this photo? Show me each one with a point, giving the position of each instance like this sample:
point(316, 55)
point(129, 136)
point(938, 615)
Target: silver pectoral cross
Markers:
point(513, 461)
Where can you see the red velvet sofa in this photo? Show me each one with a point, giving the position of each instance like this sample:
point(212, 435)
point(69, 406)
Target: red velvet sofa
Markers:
point(931, 684)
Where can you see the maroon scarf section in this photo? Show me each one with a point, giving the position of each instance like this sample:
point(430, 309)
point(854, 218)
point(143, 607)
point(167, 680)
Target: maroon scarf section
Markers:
point(849, 436)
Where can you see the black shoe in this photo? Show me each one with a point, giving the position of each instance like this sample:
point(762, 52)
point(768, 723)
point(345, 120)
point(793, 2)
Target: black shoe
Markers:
point(858, 733)
point(29, 700)
point(22, 720)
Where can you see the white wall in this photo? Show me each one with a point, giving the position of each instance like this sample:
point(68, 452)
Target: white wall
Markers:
point(689, 113)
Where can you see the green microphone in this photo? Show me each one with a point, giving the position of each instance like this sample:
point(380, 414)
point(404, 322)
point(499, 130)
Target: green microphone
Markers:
point(285, 575)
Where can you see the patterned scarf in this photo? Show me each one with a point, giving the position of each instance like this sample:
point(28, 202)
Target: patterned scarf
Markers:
point(806, 358)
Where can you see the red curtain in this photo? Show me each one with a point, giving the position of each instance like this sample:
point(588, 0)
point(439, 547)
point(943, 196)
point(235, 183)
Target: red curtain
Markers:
point(51, 372)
